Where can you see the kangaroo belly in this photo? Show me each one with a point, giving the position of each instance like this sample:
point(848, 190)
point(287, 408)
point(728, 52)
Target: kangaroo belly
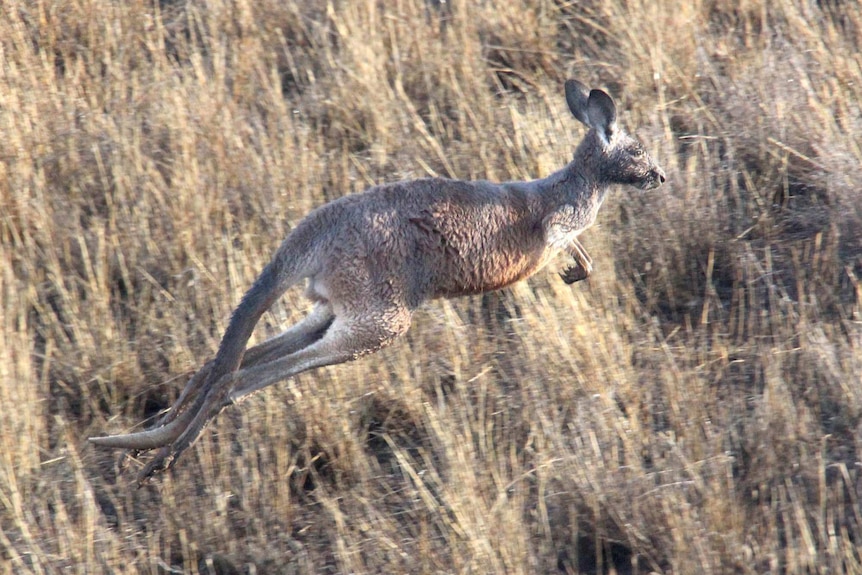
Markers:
point(489, 271)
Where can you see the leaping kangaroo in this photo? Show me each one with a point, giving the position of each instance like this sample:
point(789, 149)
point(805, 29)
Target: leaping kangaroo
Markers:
point(372, 258)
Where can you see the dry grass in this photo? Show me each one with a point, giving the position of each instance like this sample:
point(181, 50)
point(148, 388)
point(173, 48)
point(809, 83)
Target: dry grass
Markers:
point(695, 407)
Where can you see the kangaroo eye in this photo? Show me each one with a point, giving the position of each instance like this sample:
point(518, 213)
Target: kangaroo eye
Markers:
point(640, 153)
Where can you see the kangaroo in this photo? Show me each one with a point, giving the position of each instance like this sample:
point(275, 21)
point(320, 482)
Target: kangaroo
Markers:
point(370, 259)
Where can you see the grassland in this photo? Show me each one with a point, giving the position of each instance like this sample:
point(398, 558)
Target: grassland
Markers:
point(693, 408)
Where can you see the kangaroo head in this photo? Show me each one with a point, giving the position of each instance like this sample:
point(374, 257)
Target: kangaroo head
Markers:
point(620, 159)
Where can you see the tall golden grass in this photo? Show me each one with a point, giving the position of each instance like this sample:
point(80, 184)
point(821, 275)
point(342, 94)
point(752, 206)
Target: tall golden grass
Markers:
point(694, 408)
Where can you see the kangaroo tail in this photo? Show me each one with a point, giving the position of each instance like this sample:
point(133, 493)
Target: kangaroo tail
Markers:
point(287, 268)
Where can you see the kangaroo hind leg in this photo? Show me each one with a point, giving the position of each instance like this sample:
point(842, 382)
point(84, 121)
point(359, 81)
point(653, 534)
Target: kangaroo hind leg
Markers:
point(173, 423)
point(305, 332)
point(349, 336)
point(343, 341)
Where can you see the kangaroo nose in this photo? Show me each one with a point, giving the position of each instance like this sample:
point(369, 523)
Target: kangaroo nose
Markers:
point(661, 176)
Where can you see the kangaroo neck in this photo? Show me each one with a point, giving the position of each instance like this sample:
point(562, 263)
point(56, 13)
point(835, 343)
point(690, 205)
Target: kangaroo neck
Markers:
point(577, 184)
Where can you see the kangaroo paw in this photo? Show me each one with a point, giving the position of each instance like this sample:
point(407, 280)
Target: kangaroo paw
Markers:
point(574, 274)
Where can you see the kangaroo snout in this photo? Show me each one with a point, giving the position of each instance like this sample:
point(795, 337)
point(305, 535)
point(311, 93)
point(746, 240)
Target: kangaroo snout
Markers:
point(654, 179)
point(660, 176)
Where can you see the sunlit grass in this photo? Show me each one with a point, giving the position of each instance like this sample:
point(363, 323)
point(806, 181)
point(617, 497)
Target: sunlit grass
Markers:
point(694, 407)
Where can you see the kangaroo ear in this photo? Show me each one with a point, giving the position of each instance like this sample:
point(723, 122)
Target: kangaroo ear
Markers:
point(577, 97)
point(602, 114)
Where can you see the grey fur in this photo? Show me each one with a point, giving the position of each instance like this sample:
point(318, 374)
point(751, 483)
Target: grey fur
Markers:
point(371, 259)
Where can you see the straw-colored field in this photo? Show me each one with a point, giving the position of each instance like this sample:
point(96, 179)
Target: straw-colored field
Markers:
point(694, 407)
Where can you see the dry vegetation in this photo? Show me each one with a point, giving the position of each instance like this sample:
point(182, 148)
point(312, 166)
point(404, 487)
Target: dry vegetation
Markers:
point(693, 408)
